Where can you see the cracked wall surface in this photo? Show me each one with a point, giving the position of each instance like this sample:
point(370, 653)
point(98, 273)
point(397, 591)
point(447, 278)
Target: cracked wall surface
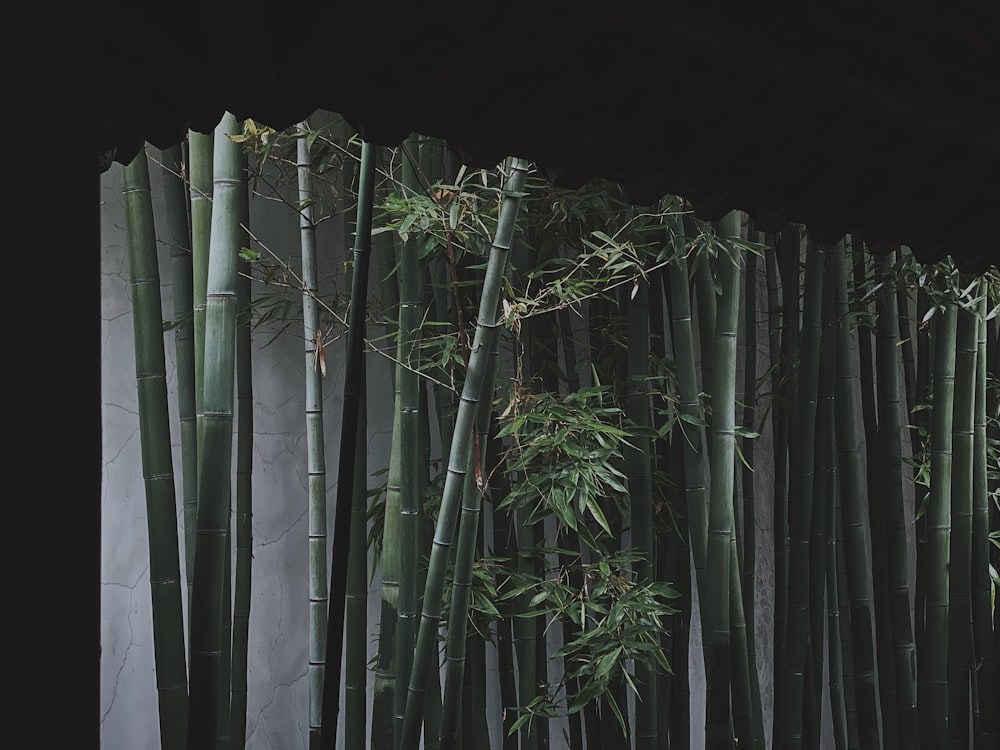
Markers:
point(277, 689)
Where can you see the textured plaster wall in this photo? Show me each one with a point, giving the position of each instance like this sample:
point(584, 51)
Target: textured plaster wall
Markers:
point(278, 691)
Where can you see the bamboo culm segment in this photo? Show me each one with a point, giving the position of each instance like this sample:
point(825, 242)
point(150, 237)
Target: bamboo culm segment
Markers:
point(932, 666)
point(353, 371)
point(486, 329)
point(215, 449)
point(800, 505)
point(891, 497)
point(315, 366)
point(715, 607)
point(157, 465)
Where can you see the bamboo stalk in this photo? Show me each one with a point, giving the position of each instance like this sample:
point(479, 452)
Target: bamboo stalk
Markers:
point(716, 616)
point(486, 329)
point(960, 654)
point(353, 372)
point(932, 654)
point(315, 367)
point(244, 482)
point(178, 235)
point(854, 515)
point(215, 449)
point(800, 506)
point(410, 315)
point(983, 628)
point(157, 464)
point(891, 494)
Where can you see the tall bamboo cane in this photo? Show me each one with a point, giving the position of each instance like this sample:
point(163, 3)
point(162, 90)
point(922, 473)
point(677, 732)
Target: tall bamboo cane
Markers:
point(410, 315)
point(891, 496)
point(466, 546)
point(854, 516)
point(200, 147)
point(353, 371)
point(800, 506)
point(982, 612)
point(315, 368)
point(640, 486)
point(789, 268)
point(244, 483)
point(960, 661)
point(715, 605)
point(215, 449)
point(827, 486)
point(178, 235)
point(932, 654)
point(486, 329)
point(356, 627)
point(157, 464)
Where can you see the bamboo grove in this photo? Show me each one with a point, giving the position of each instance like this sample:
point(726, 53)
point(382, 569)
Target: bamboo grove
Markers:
point(645, 466)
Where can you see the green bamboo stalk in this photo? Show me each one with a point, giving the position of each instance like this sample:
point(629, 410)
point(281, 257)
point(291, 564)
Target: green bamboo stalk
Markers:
point(465, 552)
point(689, 412)
point(932, 654)
point(408, 354)
point(215, 448)
point(827, 488)
point(157, 465)
point(177, 235)
point(353, 373)
point(878, 520)
point(800, 505)
point(960, 654)
point(921, 424)
point(315, 368)
point(384, 683)
point(486, 329)
point(356, 628)
point(200, 147)
point(891, 494)
point(640, 485)
point(244, 483)
point(854, 515)
point(748, 561)
point(982, 612)
point(715, 611)
point(789, 253)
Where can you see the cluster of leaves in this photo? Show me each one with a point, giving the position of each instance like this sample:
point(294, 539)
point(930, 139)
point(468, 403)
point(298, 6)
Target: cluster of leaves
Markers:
point(616, 620)
point(567, 451)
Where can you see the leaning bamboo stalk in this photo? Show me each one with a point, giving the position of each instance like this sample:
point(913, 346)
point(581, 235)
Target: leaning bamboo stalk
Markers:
point(486, 329)
point(800, 506)
point(932, 654)
point(157, 462)
point(353, 372)
point(178, 236)
point(854, 515)
point(891, 496)
point(215, 449)
point(315, 370)
point(200, 147)
point(466, 546)
point(960, 655)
